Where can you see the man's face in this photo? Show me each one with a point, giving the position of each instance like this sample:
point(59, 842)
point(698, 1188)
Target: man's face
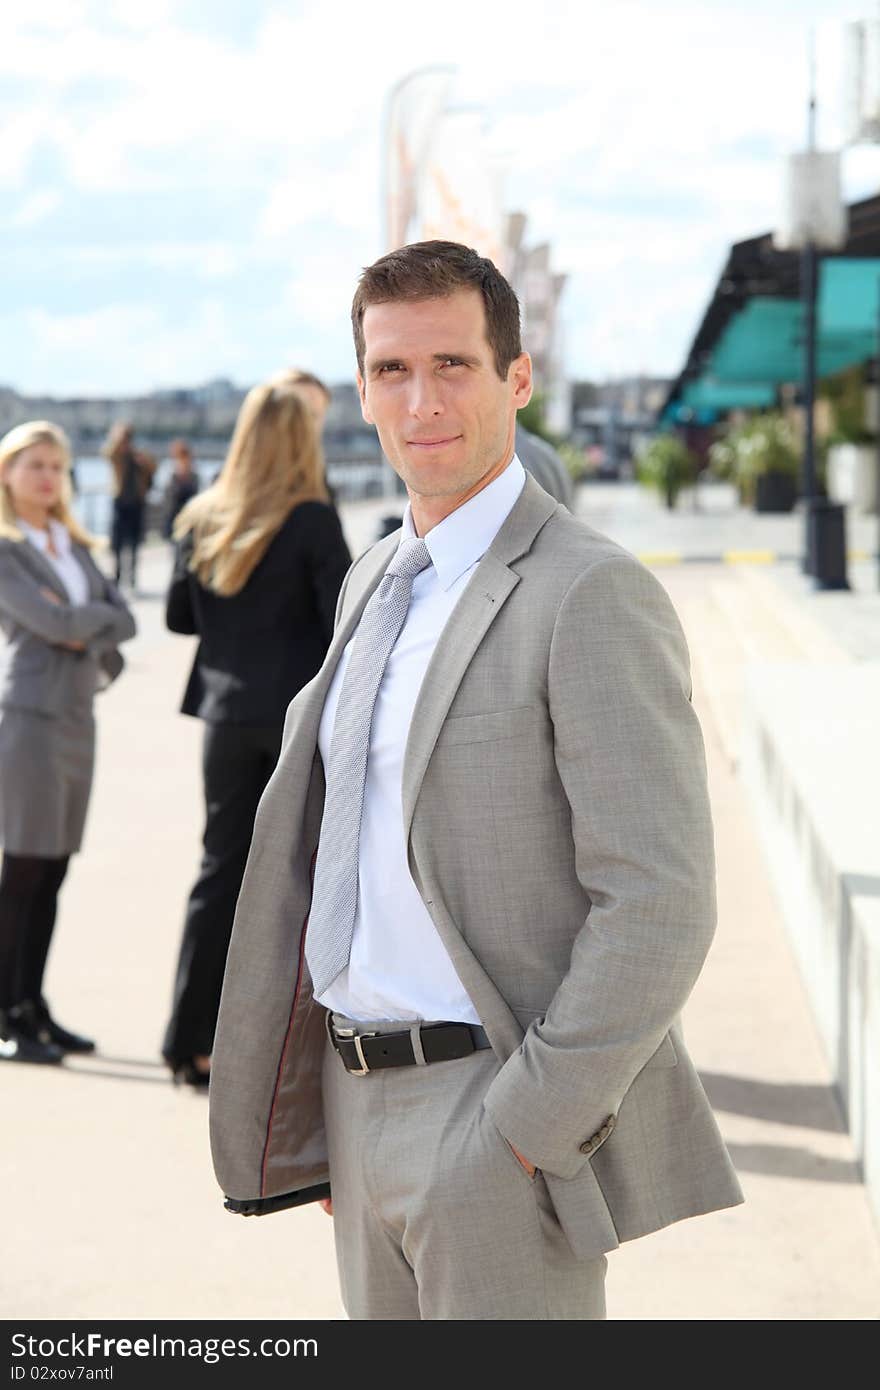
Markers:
point(445, 418)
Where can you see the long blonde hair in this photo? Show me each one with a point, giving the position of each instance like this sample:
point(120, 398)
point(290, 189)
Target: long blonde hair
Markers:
point(274, 463)
point(14, 443)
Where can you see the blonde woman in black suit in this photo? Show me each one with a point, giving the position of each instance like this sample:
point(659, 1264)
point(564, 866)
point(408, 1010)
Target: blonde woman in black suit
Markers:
point(260, 562)
point(62, 621)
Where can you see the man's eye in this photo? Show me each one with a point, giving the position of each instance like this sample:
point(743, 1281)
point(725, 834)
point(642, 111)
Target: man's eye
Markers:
point(389, 367)
point(452, 362)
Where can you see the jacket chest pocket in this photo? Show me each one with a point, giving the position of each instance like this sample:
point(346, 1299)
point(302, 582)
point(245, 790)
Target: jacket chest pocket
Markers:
point(489, 728)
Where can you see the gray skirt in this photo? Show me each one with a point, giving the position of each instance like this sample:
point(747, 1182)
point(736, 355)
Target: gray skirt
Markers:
point(46, 766)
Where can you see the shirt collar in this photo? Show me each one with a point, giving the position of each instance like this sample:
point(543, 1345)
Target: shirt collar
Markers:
point(462, 538)
point(60, 536)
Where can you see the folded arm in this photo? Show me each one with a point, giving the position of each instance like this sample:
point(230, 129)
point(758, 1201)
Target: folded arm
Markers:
point(26, 601)
point(122, 627)
point(630, 757)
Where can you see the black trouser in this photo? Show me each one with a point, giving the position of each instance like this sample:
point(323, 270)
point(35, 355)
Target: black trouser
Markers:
point(28, 904)
point(237, 762)
point(127, 534)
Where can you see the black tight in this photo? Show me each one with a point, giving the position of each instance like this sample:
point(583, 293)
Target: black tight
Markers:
point(28, 902)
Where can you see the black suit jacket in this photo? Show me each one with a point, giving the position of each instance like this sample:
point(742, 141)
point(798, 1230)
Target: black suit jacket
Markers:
point(260, 646)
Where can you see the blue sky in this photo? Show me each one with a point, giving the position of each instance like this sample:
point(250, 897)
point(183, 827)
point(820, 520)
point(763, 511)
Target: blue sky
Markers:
point(189, 189)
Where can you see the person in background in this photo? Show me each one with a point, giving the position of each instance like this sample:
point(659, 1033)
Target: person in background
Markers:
point(311, 389)
point(317, 397)
point(260, 561)
point(61, 620)
point(543, 462)
point(133, 471)
point(182, 486)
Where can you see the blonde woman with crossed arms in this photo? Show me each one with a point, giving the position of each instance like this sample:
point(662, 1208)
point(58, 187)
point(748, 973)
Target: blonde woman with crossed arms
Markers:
point(61, 621)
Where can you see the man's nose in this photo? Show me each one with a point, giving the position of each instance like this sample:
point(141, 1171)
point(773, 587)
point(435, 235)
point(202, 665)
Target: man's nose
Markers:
point(424, 396)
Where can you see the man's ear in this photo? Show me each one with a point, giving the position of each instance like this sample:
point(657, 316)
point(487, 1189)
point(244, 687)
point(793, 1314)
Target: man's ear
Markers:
point(362, 392)
point(520, 377)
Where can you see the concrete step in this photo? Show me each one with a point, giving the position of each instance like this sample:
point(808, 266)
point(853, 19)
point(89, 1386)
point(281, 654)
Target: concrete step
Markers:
point(717, 657)
point(814, 639)
point(760, 633)
point(741, 618)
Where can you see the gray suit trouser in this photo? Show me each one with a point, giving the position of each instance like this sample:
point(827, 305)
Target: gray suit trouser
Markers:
point(434, 1216)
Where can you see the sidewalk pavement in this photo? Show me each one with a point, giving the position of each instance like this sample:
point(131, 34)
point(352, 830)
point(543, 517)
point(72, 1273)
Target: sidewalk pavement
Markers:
point(707, 522)
point(111, 1209)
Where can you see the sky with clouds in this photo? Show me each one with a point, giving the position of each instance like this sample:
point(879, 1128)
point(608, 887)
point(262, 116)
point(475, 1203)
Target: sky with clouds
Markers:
point(189, 189)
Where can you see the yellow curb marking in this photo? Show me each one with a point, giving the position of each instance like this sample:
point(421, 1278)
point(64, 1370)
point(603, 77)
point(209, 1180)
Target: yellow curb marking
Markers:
point(749, 557)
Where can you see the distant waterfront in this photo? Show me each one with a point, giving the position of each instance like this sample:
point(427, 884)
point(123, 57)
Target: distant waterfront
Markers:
point(352, 481)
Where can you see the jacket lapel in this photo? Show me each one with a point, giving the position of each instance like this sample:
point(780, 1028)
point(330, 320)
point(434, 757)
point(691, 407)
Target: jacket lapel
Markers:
point(490, 586)
point(468, 624)
point(34, 560)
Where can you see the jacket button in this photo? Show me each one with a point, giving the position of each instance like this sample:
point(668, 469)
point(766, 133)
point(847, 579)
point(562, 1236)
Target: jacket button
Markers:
point(588, 1147)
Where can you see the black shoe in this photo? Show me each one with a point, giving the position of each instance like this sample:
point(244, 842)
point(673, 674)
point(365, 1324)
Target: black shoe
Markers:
point(188, 1074)
point(16, 1046)
point(35, 1022)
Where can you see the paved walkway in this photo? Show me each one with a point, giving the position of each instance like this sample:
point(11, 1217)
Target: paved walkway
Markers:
point(111, 1209)
point(707, 522)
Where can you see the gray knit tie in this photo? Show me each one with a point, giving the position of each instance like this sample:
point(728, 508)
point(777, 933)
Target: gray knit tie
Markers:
point(335, 890)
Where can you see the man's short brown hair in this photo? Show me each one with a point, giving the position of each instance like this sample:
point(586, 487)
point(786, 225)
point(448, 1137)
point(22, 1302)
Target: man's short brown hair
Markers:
point(434, 270)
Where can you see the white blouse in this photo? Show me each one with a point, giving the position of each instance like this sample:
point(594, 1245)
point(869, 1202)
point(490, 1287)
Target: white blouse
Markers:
point(64, 561)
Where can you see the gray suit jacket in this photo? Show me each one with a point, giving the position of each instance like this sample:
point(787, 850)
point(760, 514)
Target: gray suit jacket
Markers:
point(559, 832)
point(36, 672)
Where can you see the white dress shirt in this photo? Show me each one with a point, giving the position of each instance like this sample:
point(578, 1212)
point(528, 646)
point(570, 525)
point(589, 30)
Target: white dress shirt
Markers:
point(63, 562)
point(399, 967)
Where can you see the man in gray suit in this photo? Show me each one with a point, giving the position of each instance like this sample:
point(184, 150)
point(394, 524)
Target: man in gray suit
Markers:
point(481, 885)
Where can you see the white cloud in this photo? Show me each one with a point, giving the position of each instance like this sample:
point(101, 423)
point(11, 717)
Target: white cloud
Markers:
point(641, 139)
point(34, 208)
point(126, 348)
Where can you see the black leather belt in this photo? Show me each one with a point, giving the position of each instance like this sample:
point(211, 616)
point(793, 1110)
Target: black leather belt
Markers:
point(363, 1051)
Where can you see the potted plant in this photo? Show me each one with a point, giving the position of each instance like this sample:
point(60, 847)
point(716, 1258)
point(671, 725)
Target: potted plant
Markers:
point(668, 465)
point(722, 459)
point(852, 447)
point(763, 455)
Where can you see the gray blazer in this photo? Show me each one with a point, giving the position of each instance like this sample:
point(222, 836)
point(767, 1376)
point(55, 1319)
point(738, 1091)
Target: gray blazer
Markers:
point(36, 672)
point(555, 801)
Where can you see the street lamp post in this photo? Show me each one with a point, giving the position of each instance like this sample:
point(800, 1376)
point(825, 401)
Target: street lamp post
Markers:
point(808, 296)
point(809, 258)
point(815, 220)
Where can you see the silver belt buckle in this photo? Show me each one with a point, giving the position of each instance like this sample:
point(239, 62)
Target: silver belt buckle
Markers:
point(356, 1038)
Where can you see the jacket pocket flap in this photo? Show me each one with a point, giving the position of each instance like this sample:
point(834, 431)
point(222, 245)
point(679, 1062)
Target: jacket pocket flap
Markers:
point(487, 728)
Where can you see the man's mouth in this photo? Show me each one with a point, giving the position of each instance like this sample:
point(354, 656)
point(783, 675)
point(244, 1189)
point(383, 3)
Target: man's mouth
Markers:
point(433, 443)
